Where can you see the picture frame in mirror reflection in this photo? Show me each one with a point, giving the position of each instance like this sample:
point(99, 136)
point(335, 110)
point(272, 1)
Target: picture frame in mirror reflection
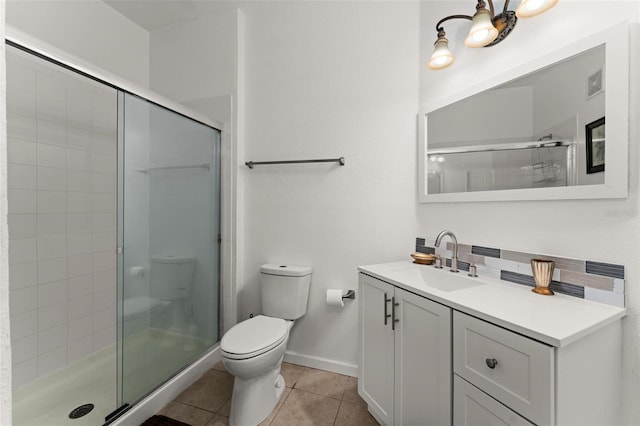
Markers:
point(595, 143)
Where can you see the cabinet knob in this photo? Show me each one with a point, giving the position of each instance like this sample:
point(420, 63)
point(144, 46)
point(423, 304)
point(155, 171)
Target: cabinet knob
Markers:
point(491, 363)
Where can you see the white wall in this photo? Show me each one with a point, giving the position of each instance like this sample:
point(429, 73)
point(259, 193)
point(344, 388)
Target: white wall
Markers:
point(323, 80)
point(605, 230)
point(87, 29)
point(194, 63)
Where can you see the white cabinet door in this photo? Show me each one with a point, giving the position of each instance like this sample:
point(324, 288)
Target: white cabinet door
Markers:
point(422, 361)
point(472, 407)
point(375, 347)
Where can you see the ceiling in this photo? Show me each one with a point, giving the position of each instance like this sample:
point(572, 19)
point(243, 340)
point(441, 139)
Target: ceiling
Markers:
point(155, 14)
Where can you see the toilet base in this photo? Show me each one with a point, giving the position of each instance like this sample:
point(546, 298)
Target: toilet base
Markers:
point(254, 399)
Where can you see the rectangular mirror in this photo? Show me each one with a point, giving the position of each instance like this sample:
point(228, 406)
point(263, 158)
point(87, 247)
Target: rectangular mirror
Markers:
point(536, 132)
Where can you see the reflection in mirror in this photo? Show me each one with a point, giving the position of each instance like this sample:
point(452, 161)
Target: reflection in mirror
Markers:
point(527, 133)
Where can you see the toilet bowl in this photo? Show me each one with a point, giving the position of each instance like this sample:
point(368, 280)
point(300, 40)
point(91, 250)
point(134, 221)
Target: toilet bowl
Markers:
point(253, 352)
point(171, 281)
point(139, 313)
point(253, 349)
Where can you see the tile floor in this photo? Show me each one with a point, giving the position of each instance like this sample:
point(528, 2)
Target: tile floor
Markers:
point(312, 397)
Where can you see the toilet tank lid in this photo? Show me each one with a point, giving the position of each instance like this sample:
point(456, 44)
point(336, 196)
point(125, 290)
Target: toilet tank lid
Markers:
point(285, 270)
point(171, 259)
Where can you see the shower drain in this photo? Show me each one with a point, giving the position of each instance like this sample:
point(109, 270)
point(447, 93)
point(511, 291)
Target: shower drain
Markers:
point(82, 410)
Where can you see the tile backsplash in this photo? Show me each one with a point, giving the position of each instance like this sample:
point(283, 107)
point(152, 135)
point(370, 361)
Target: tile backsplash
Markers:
point(586, 279)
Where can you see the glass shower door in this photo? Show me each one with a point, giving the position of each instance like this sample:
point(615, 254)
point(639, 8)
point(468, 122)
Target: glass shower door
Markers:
point(168, 256)
point(61, 164)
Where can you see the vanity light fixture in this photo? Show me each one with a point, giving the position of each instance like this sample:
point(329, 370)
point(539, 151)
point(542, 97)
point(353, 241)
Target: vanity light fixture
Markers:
point(487, 28)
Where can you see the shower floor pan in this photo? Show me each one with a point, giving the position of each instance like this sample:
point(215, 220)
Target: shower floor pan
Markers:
point(92, 380)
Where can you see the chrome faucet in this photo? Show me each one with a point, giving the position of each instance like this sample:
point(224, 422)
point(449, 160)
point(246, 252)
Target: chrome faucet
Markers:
point(454, 256)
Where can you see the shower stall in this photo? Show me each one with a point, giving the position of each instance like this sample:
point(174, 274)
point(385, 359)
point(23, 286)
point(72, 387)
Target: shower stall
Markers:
point(114, 227)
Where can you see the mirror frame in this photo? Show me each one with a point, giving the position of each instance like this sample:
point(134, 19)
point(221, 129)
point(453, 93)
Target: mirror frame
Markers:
point(616, 41)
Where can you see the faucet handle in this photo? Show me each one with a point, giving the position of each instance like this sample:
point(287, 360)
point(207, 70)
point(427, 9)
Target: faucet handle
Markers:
point(438, 263)
point(473, 269)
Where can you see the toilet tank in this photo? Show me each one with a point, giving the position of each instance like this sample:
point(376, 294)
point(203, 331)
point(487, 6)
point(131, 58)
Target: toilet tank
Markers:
point(171, 277)
point(285, 290)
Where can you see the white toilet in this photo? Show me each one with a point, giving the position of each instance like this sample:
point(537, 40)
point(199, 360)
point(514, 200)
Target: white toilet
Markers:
point(170, 280)
point(253, 350)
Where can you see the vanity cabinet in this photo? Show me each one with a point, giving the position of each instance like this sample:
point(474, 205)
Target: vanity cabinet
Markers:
point(404, 367)
point(436, 357)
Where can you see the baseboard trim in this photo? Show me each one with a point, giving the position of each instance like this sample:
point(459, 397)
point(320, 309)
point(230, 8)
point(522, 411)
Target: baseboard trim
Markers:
point(321, 363)
point(168, 392)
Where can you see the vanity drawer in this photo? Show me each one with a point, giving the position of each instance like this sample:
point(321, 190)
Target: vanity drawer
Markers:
point(514, 369)
point(472, 407)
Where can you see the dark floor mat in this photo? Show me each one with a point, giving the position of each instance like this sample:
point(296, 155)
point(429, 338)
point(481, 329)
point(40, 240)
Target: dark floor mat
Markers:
point(159, 420)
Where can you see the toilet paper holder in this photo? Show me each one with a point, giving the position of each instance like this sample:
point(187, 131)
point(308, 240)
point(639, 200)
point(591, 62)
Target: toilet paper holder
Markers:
point(350, 294)
point(336, 296)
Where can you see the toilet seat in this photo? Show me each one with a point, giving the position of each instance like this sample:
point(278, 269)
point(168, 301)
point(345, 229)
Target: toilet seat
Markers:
point(253, 337)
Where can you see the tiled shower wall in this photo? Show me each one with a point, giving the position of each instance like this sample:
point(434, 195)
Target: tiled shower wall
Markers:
point(62, 204)
point(586, 279)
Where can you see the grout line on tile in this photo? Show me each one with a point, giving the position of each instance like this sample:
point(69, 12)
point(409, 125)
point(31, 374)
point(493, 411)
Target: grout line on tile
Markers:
point(194, 406)
point(344, 391)
point(324, 396)
point(335, 419)
point(279, 406)
point(222, 406)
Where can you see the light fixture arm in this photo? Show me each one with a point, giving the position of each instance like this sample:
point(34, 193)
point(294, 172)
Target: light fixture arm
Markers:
point(448, 18)
point(480, 5)
point(504, 9)
point(491, 11)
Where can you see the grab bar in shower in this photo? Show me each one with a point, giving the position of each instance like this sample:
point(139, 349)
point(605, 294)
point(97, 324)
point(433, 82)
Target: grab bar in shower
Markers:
point(340, 160)
point(193, 166)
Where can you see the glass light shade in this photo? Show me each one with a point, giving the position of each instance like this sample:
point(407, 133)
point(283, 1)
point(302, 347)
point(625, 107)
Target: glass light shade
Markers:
point(441, 57)
point(482, 31)
point(529, 8)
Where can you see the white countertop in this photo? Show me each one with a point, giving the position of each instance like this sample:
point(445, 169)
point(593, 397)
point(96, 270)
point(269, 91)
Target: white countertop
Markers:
point(555, 320)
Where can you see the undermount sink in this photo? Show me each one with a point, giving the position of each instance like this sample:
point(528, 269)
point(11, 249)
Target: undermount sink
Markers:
point(440, 279)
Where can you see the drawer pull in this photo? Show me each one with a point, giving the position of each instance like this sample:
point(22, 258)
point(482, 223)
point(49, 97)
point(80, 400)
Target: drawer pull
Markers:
point(491, 363)
point(386, 314)
point(394, 320)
